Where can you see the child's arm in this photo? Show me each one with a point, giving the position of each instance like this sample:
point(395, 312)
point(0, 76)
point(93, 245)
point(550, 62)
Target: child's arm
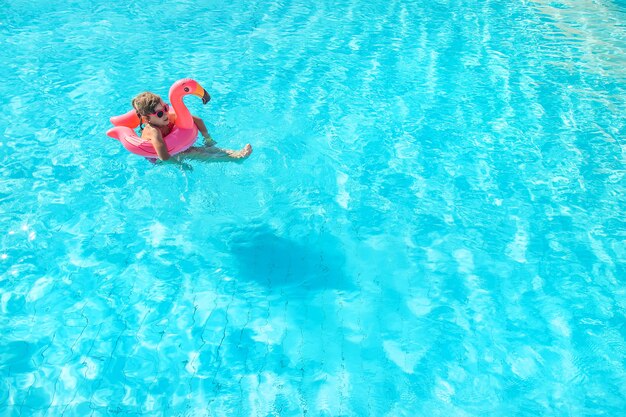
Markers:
point(155, 137)
point(201, 127)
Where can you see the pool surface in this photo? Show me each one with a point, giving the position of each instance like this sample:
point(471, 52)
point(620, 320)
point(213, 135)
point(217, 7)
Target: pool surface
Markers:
point(432, 223)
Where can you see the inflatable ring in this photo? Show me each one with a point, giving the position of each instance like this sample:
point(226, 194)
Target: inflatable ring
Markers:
point(182, 136)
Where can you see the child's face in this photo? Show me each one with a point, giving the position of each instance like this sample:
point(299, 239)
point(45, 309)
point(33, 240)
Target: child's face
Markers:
point(162, 110)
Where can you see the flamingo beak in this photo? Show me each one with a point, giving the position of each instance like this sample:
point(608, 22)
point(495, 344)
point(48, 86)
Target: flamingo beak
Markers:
point(201, 92)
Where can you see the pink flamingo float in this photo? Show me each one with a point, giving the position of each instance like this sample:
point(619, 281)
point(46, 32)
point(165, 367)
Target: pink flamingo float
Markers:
point(182, 136)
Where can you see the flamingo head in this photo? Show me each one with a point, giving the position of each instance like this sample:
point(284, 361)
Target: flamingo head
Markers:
point(188, 86)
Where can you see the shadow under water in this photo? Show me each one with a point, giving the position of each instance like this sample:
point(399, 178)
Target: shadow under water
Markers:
point(315, 262)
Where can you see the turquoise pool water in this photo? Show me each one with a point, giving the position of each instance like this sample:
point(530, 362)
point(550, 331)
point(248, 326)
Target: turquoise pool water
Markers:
point(432, 222)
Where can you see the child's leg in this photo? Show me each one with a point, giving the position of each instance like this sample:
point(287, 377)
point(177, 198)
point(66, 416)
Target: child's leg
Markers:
point(217, 154)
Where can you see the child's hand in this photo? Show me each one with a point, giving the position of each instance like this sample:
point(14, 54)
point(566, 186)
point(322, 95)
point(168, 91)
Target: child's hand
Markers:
point(208, 140)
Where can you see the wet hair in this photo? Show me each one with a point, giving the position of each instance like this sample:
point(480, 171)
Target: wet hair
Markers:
point(145, 104)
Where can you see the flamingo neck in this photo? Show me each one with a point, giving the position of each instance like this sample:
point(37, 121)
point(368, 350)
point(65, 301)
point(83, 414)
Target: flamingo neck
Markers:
point(183, 116)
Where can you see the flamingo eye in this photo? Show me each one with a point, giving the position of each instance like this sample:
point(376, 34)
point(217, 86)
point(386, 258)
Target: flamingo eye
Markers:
point(186, 89)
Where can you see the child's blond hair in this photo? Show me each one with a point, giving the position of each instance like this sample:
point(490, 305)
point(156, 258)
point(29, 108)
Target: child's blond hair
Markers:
point(144, 104)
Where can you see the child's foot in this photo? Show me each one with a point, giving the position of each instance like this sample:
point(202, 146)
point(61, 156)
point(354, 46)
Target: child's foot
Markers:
point(243, 153)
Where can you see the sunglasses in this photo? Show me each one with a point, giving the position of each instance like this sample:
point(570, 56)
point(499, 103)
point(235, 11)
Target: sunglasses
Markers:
point(160, 113)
